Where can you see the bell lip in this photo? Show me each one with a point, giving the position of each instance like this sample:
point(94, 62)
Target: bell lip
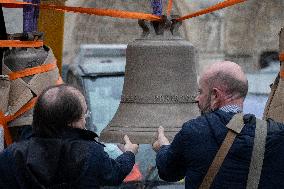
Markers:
point(170, 116)
point(136, 138)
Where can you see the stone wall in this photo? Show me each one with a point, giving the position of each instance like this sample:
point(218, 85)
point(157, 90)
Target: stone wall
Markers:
point(251, 29)
point(88, 29)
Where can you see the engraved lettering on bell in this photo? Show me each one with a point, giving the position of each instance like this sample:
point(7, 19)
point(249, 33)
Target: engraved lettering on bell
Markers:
point(158, 99)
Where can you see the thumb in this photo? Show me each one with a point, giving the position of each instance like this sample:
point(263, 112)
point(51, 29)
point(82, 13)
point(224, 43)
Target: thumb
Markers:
point(161, 131)
point(126, 139)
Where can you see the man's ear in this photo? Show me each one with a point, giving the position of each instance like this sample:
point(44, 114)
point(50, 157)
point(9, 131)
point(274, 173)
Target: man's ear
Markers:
point(216, 96)
point(215, 93)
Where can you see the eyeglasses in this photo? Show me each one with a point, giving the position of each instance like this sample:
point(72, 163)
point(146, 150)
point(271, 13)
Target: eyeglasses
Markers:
point(87, 114)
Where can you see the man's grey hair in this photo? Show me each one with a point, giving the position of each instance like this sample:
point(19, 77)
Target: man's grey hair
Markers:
point(231, 85)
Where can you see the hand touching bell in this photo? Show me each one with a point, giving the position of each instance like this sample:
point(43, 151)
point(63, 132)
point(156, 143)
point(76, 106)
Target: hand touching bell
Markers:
point(128, 146)
point(162, 139)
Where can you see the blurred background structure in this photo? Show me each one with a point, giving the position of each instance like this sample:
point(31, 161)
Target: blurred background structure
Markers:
point(246, 33)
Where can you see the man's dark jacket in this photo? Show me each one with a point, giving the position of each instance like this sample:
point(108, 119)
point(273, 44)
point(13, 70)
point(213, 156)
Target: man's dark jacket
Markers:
point(73, 160)
point(194, 147)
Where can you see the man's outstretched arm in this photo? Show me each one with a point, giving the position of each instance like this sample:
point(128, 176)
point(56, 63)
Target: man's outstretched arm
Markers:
point(169, 158)
point(108, 171)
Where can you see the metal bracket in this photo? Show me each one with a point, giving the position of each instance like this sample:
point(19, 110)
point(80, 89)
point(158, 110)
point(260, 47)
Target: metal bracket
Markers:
point(160, 27)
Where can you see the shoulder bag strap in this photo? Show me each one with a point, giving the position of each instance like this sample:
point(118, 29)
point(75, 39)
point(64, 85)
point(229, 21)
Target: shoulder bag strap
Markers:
point(257, 154)
point(235, 126)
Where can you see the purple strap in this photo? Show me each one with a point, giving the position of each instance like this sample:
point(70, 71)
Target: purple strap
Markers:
point(157, 7)
point(30, 16)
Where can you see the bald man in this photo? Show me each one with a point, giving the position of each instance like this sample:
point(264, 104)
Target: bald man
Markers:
point(61, 153)
point(222, 90)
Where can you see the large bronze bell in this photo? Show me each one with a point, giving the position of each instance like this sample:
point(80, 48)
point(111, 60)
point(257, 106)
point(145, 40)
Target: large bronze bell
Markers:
point(17, 59)
point(159, 88)
point(22, 90)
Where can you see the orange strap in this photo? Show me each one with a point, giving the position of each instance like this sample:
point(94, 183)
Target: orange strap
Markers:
point(32, 71)
point(169, 8)
point(22, 110)
point(282, 74)
point(18, 43)
point(120, 13)
point(12, 1)
point(281, 57)
point(5, 119)
point(7, 134)
point(213, 8)
point(103, 12)
point(91, 11)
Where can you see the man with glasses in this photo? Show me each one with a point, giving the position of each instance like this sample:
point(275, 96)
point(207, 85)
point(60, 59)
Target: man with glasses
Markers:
point(61, 153)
